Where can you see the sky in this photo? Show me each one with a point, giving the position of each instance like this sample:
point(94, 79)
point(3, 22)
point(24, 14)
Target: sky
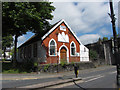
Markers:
point(89, 20)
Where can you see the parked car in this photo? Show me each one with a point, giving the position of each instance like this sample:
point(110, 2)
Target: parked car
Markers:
point(8, 59)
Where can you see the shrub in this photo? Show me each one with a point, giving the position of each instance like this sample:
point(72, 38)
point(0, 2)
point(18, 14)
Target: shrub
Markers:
point(35, 64)
point(93, 54)
point(72, 62)
point(63, 64)
point(46, 67)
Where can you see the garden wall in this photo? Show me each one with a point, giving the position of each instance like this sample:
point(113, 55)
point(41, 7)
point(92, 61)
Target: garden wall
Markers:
point(64, 67)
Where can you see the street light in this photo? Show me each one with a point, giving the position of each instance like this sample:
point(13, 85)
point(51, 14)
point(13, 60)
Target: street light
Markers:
point(117, 62)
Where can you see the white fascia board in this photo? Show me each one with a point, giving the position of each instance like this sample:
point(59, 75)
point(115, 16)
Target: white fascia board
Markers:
point(57, 26)
point(52, 29)
point(72, 31)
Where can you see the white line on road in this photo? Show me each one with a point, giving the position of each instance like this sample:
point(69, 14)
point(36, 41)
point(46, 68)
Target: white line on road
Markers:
point(113, 72)
point(94, 78)
point(91, 77)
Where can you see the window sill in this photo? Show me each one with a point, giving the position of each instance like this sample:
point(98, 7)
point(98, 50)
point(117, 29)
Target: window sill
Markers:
point(74, 56)
point(52, 55)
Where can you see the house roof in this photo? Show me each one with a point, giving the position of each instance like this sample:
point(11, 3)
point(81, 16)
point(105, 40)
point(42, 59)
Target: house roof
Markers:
point(43, 35)
point(36, 37)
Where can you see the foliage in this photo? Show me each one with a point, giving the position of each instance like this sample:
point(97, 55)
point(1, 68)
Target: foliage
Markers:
point(105, 38)
point(63, 63)
point(7, 68)
point(3, 59)
point(35, 64)
point(72, 62)
point(7, 41)
point(55, 65)
point(46, 67)
point(20, 17)
point(93, 54)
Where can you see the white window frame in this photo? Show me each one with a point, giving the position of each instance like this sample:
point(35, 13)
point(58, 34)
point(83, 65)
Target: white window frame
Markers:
point(61, 27)
point(70, 48)
point(55, 47)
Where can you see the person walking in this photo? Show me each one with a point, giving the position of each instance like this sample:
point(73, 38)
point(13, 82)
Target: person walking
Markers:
point(76, 71)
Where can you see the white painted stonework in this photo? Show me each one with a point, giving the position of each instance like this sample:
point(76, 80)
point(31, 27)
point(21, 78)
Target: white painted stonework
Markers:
point(84, 53)
point(63, 38)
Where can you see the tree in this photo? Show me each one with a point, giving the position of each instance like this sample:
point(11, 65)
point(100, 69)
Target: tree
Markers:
point(93, 54)
point(20, 17)
point(105, 38)
point(7, 41)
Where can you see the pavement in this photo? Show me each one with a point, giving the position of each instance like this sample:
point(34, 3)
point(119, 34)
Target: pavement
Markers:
point(48, 75)
point(63, 77)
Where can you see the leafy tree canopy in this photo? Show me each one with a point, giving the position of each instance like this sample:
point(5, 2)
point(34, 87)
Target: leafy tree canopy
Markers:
point(7, 41)
point(20, 17)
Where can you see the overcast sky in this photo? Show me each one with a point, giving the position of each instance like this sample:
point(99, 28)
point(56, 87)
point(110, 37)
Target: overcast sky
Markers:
point(89, 20)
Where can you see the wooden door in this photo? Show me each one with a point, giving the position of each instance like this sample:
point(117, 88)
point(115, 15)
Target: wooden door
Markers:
point(63, 55)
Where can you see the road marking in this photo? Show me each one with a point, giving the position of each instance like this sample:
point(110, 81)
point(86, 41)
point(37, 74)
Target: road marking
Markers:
point(113, 72)
point(94, 78)
point(91, 77)
point(28, 78)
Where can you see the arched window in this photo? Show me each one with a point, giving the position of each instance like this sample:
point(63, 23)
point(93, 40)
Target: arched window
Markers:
point(73, 48)
point(52, 47)
point(84, 49)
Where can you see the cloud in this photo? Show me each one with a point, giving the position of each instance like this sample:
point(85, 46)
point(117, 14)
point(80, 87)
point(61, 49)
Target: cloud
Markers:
point(81, 0)
point(89, 38)
point(84, 17)
point(104, 31)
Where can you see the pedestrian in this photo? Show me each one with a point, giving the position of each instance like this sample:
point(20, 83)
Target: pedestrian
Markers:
point(76, 71)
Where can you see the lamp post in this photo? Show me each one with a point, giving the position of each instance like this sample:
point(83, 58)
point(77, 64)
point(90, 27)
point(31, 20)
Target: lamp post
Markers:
point(113, 19)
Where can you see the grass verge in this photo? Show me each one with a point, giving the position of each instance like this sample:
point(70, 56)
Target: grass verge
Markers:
point(7, 68)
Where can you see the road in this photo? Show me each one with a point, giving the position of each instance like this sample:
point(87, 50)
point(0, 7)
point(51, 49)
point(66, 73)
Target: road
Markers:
point(99, 79)
point(104, 78)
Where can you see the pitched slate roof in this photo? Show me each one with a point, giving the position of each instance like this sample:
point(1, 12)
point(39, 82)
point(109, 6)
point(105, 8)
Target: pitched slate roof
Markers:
point(43, 35)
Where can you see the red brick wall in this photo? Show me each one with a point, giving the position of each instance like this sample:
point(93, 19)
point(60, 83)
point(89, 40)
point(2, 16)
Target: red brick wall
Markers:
point(54, 35)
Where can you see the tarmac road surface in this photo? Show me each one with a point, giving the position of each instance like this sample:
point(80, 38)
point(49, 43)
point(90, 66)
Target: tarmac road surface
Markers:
point(102, 77)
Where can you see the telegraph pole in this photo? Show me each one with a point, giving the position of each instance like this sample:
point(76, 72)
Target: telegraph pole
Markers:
point(113, 19)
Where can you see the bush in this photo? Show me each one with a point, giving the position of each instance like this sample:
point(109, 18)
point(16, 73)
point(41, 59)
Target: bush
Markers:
point(93, 54)
point(63, 64)
point(72, 62)
point(46, 67)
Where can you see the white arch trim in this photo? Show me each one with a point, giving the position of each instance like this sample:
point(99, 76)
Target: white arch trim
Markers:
point(70, 48)
point(55, 47)
point(67, 53)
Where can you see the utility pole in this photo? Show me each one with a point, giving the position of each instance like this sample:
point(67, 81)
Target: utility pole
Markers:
point(117, 62)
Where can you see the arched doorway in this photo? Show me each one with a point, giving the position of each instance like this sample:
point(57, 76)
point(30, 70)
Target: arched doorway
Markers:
point(63, 54)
